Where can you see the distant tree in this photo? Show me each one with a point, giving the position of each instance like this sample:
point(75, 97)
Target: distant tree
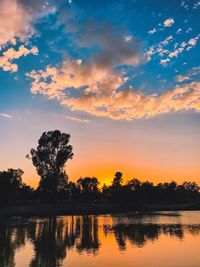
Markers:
point(134, 184)
point(191, 187)
point(116, 189)
point(117, 181)
point(10, 184)
point(147, 192)
point(49, 158)
point(73, 192)
point(88, 187)
point(191, 190)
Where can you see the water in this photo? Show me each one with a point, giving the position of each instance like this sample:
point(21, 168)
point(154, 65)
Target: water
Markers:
point(161, 239)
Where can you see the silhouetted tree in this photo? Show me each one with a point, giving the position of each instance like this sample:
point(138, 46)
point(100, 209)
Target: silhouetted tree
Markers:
point(73, 192)
point(117, 181)
point(49, 158)
point(134, 184)
point(191, 189)
point(10, 184)
point(88, 188)
point(116, 189)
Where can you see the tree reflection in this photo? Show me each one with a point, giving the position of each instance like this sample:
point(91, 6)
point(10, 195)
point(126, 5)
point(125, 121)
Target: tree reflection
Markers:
point(50, 244)
point(11, 238)
point(140, 234)
point(89, 240)
point(137, 234)
point(52, 237)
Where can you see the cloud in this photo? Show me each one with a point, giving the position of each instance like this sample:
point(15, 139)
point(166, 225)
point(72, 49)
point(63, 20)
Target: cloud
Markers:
point(184, 5)
point(6, 60)
point(182, 78)
point(149, 53)
point(128, 38)
point(196, 5)
point(192, 42)
point(178, 31)
point(158, 49)
point(161, 50)
point(152, 31)
point(15, 22)
point(97, 86)
point(164, 61)
point(168, 22)
point(182, 47)
point(84, 78)
point(98, 73)
point(189, 75)
point(17, 19)
point(5, 115)
point(114, 49)
point(76, 119)
point(96, 91)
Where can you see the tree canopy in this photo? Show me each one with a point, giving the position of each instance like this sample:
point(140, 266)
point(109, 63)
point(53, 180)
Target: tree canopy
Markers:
point(49, 158)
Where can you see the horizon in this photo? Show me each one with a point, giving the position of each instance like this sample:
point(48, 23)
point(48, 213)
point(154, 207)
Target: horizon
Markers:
point(124, 84)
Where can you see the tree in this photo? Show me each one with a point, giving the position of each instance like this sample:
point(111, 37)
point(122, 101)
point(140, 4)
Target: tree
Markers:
point(73, 192)
point(10, 184)
point(117, 181)
point(88, 187)
point(49, 158)
point(134, 184)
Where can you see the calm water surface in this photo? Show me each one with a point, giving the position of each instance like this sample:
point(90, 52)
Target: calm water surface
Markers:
point(160, 239)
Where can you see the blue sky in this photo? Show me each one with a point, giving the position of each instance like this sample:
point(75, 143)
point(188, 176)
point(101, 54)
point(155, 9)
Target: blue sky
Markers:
point(77, 65)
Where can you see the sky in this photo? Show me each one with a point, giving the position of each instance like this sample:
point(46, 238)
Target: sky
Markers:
point(121, 77)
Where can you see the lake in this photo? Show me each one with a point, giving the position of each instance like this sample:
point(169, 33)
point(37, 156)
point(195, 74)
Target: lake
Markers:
point(159, 239)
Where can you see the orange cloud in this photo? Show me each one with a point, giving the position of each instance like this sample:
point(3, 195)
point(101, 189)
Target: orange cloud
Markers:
point(15, 22)
point(95, 90)
point(6, 60)
point(168, 22)
point(17, 17)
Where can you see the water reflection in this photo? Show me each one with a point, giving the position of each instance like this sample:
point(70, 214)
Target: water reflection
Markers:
point(140, 234)
point(11, 238)
point(52, 238)
point(50, 243)
point(89, 240)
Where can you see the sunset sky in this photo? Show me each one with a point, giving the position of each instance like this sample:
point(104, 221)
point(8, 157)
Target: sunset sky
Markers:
point(121, 77)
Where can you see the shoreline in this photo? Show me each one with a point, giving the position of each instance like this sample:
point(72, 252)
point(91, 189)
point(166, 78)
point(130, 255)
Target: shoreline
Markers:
point(34, 210)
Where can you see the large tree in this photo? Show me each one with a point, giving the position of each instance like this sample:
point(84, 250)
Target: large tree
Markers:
point(49, 158)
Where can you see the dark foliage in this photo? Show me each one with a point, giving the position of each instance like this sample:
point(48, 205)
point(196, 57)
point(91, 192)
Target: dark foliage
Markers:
point(87, 190)
point(49, 159)
point(11, 186)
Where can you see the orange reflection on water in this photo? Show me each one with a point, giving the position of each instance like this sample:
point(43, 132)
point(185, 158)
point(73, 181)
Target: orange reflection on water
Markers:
point(161, 239)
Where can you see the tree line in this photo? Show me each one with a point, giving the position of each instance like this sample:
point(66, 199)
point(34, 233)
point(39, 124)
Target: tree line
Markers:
point(49, 159)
